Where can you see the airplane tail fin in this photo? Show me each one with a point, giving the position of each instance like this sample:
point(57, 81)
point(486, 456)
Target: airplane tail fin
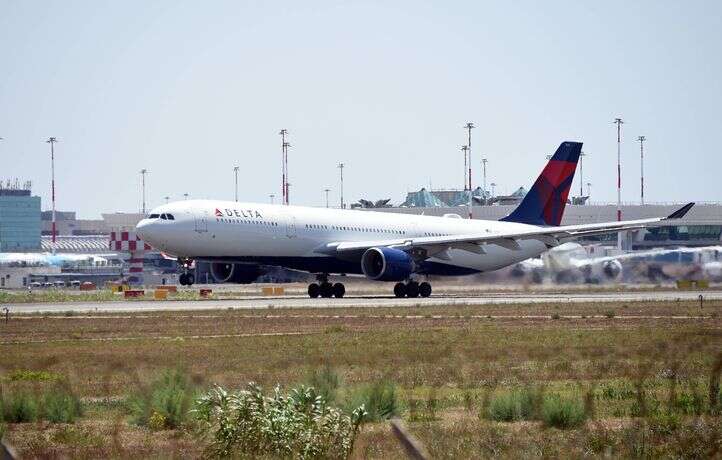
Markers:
point(544, 203)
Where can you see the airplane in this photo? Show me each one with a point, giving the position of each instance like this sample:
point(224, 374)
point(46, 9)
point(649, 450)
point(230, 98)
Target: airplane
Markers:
point(382, 246)
point(46, 259)
point(570, 262)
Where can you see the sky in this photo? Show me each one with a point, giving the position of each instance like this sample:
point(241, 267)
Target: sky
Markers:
point(188, 90)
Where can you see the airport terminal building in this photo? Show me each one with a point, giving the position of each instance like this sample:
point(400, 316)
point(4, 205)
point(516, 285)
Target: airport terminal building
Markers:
point(19, 219)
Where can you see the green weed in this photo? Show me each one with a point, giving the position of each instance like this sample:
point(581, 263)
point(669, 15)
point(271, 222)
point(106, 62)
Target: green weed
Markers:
point(19, 407)
point(60, 405)
point(378, 399)
point(165, 402)
point(562, 412)
point(512, 406)
point(326, 383)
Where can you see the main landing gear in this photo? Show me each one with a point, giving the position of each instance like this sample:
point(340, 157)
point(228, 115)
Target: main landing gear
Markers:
point(412, 289)
point(325, 289)
point(186, 278)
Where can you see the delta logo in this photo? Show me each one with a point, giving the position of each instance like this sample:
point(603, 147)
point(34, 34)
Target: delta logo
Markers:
point(244, 213)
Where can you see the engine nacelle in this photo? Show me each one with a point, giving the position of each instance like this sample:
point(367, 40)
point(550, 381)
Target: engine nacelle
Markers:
point(612, 269)
point(386, 264)
point(223, 272)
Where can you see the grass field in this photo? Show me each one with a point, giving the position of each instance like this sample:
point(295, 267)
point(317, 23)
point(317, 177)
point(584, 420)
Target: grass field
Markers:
point(471, 381)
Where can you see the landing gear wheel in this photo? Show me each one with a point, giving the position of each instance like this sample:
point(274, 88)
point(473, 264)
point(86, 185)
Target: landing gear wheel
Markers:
point(425, 289)
point(190, 279)
point(400, 290)
point(314, 290)
point(182, 279)
point(339, 290)
point(412, 289)
point(326, 290)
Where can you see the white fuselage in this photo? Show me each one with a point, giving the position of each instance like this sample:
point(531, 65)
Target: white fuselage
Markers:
point(274, 234)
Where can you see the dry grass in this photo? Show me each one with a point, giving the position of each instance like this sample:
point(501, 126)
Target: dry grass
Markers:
point(448, 362)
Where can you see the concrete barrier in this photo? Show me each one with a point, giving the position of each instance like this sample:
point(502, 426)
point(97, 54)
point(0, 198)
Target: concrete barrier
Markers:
point(160, 294)
point(87, 286)
point(689, 284)
point(684, 284)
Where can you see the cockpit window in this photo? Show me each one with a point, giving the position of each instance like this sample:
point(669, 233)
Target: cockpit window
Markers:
point(163, 216)
point(170, 217)
point(154, 216)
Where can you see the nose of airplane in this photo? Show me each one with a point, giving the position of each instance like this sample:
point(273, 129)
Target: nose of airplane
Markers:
point(144, 229)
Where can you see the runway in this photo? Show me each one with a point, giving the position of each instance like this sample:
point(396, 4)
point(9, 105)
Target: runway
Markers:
point(358, 301)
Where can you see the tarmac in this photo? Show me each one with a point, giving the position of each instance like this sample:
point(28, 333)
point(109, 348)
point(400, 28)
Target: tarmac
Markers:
point(370, 301)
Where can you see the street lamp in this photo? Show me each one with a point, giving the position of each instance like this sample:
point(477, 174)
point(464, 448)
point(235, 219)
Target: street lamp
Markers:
point(143, 172)
point(484, 161)
point(465, 149)
point(340, 167)
point(185, 196)
point(52, 142)
point(581, 172)
point(272, 196)
point(327, 190)
point(235, 172)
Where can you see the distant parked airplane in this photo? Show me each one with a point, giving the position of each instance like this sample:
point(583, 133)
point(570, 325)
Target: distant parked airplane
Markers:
point(49, 259)
point(570, 262)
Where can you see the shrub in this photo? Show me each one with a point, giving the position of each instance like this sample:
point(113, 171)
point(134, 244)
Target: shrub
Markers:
point(617, 391)
point(664, 424)
point(294, 425)
point(689, 403)
point(24, 375)
point(61, 406)
point(610, 314)
point(326, 382)
point(378, 399)
point(20, 407)
point(556, 316)
point(512, 406)
point(645, 406)
point(168, 399)
point(562, 412)
point(77, 436)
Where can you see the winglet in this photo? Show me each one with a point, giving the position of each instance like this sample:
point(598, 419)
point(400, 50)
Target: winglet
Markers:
point(678, 214)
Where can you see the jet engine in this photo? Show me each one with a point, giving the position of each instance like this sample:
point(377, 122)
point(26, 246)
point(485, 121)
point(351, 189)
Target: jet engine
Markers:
point(386, 264)
point(223, 272)
point(612, 269)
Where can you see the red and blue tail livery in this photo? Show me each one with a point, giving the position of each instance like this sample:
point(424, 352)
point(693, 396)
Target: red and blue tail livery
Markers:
point(544, 203)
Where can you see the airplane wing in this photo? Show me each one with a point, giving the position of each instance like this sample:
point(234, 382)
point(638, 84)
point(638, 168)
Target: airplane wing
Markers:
point(551, 236)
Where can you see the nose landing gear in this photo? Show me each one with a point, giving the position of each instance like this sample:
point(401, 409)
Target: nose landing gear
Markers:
point(412, 289)
point(186, 278)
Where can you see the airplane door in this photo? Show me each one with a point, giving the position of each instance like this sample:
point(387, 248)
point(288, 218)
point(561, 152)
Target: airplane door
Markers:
point(291, 227)
point(201, 221)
